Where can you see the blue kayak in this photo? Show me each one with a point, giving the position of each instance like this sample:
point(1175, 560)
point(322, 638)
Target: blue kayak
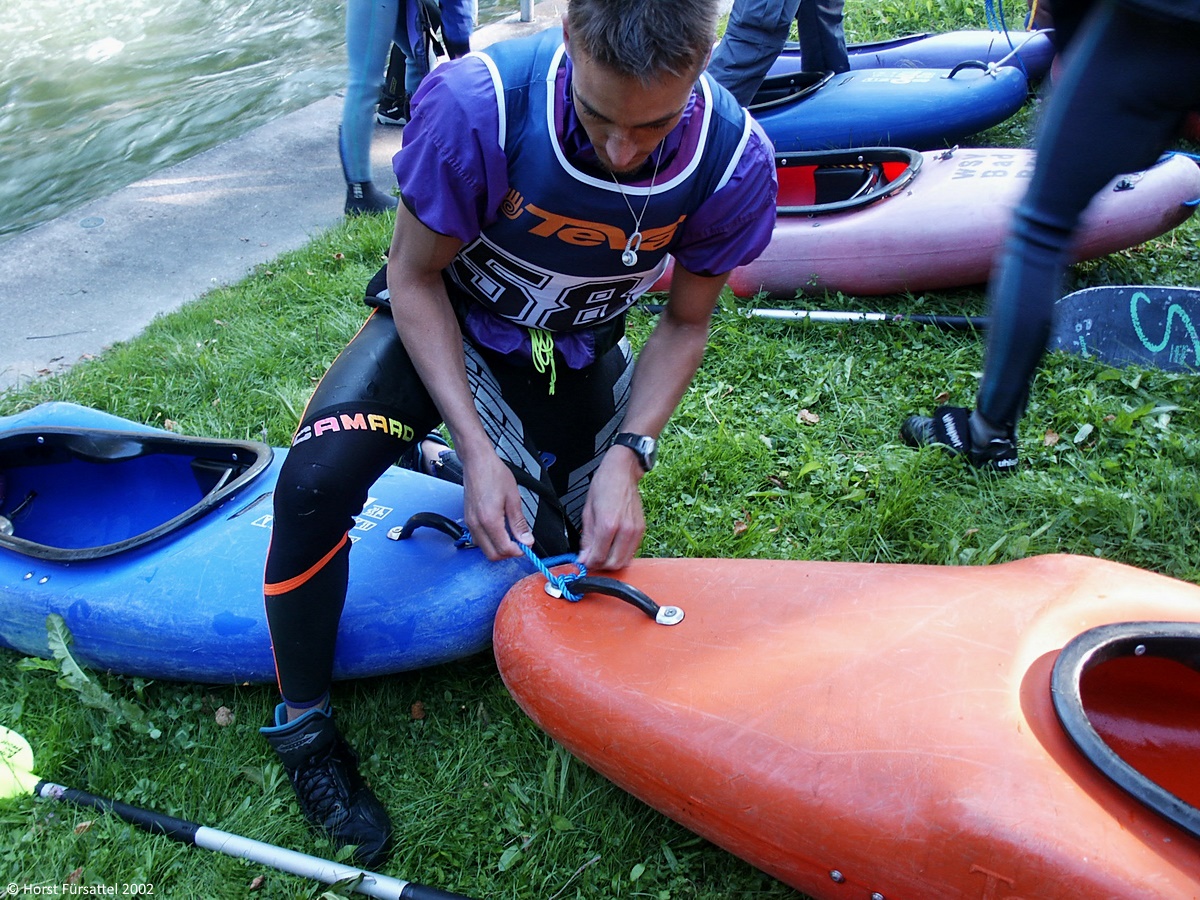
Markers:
point(917, 108)
point(1030, 51)
point(151, 546)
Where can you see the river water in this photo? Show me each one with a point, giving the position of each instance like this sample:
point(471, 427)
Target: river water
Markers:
point(98, 94)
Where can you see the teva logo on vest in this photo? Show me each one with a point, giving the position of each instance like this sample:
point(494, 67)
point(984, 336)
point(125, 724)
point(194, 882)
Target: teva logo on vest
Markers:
point(583, 232)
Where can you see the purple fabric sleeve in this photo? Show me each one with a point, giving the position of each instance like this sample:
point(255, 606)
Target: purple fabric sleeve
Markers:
point(453, 179)
point(734, 225)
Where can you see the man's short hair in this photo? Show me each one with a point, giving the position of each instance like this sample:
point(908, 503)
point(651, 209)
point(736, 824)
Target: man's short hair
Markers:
point(645, 39)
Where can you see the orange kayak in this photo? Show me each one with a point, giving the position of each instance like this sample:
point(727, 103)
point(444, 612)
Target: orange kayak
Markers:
point(1025, 730)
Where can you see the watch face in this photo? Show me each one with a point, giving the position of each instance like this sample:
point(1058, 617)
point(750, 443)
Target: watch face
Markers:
point(649, 452)
point(643, 445)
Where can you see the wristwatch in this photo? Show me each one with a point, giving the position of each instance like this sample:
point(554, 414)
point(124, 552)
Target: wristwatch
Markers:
point(644, 446)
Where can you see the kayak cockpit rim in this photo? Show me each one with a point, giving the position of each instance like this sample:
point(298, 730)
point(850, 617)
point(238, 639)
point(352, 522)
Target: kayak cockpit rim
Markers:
point(170, 480)
point(781, 90)
point(818, 182)
point(1174, 642)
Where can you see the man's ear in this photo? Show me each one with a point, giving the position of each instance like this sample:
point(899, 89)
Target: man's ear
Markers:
point(566, 34)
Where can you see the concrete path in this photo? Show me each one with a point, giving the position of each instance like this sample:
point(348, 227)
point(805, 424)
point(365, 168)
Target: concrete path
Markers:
point(74, 286)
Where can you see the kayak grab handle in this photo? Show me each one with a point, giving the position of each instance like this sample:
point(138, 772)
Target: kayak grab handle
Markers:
point(437, 522)
point(573, 587)
point(1175, 641)
point(969, 64)
point(612, 587)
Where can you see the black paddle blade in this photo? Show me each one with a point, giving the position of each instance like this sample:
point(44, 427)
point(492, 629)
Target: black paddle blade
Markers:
point(1122, 325)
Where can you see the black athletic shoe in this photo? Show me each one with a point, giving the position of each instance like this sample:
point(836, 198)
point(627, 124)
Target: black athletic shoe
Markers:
point(445, 465)
point(363, 198)
point(414, 457)
point(333, 796)
point(394, 110)
point(950, 427)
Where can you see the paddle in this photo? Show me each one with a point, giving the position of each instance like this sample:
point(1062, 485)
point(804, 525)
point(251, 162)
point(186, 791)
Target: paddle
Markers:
point(950, 323)
point(1120, 325)
point(17, 779)
point(842, 317)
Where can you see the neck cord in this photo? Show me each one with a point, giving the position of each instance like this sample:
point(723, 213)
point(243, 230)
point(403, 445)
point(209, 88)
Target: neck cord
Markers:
point(629, 256)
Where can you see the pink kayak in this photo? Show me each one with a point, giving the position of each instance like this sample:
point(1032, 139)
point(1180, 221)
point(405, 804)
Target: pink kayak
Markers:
point(885, 220)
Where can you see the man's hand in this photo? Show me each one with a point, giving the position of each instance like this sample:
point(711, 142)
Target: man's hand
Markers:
point(492, 507)
point(613, 521)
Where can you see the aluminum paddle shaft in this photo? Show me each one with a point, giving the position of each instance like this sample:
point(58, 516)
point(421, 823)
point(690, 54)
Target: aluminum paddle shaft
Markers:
point(953, 323)
point(843, 317)
point(323, 870)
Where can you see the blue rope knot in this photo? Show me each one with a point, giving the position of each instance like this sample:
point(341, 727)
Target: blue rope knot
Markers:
point(560, 583)
point(464, 541)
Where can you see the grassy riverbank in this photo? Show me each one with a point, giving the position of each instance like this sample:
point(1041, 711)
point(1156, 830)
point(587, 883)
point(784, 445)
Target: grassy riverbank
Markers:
point(786, 446)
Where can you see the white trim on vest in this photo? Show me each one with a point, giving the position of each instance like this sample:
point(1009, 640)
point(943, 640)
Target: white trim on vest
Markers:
point(498, 87)
point(610, 185)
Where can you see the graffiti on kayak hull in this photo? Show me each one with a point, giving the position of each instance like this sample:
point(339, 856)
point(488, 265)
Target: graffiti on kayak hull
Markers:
point(1178, 352)
point(1121, 325)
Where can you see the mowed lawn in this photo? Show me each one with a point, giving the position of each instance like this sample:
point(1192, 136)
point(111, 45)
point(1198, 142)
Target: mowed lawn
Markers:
point(785, 447)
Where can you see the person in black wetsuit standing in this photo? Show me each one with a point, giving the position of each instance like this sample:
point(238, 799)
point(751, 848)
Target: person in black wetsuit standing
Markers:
point(1130, 73)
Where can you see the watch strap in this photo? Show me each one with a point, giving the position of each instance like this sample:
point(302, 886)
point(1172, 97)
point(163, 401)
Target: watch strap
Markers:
point(643, 446)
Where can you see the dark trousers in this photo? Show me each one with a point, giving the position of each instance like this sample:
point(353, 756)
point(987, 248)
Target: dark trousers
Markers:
point(556, 440)
point(757, 31)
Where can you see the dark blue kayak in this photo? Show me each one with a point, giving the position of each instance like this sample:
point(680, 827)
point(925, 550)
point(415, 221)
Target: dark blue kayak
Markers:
point(921, 109)
point(151, 545)
point(1030, 51)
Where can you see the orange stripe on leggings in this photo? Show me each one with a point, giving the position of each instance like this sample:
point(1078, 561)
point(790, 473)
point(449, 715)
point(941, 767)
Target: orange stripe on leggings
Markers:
point(283, 587)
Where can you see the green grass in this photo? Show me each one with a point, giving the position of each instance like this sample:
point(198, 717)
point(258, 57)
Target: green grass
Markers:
point(484, 803)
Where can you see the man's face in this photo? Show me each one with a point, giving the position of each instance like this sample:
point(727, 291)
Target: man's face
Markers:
point(624, 118)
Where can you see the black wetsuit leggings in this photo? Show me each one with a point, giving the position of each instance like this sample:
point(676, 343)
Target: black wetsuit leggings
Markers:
point(1127, 82)
point(557, 439)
